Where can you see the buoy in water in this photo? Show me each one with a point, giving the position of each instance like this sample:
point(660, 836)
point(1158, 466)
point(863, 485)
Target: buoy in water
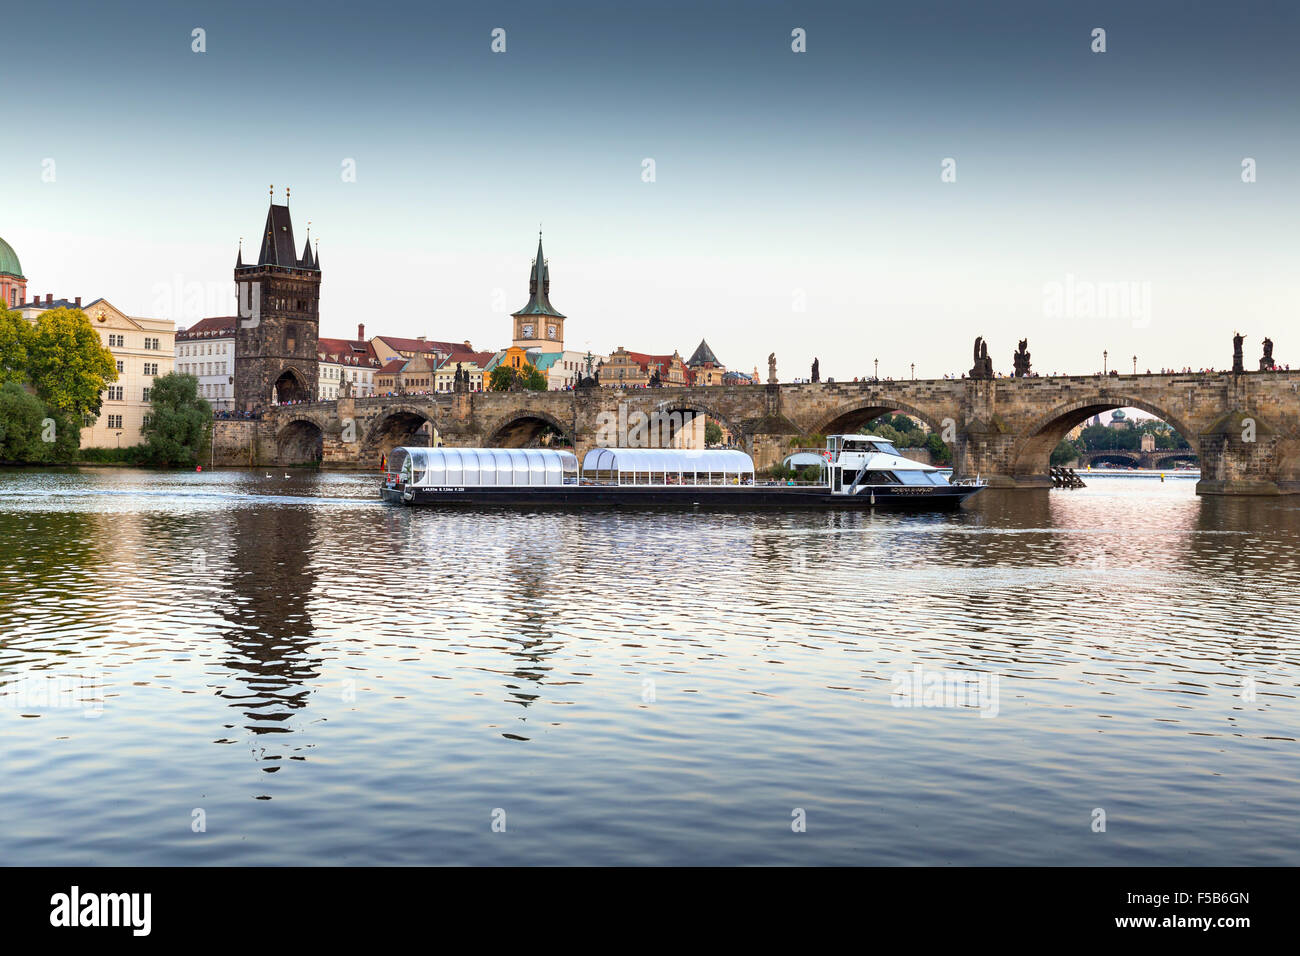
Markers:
point(198, 467)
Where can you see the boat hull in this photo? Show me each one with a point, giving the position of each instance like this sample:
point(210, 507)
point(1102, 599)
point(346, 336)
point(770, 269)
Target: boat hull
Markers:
point(889, 497)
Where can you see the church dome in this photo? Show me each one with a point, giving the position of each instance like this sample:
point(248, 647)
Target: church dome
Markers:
point(9, 264)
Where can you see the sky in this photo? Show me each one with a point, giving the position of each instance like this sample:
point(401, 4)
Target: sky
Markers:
point(798, 203)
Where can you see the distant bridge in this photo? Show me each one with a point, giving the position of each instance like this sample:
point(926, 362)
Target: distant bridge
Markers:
point(1160, 458)
point(1244, 428)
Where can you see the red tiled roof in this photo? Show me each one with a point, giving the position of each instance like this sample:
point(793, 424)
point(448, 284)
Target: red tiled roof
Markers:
point(421, 345)
point(347, 351)
point(395, 365)
point(212, 327)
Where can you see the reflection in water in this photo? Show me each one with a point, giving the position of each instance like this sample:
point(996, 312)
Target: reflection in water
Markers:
point(648, 686)
point(267, 586)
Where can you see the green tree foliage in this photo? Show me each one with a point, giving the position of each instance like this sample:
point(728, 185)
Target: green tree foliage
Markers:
point(67, 364)
point(712, 433)
point(1064, 453)
point(179, 423)
point(507, 379)
point(22, 417)
point(31, 432)
point(15, 333)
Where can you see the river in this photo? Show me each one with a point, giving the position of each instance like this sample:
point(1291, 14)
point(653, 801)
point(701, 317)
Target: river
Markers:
point(228, 667)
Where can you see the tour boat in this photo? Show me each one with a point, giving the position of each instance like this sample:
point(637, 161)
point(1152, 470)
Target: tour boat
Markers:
point(855, 471)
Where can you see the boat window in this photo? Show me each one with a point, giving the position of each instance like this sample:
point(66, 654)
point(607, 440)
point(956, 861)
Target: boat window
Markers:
point(912, 477)
point(416, 458)
point(887, 448)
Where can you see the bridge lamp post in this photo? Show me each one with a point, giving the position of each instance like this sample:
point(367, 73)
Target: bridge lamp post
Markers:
point(877, 375)
point(1135, 365)
point(1104, 356)
point(914, 371)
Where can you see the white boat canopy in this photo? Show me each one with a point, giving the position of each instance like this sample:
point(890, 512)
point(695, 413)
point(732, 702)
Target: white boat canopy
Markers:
point(685, 465)
point(426, 467)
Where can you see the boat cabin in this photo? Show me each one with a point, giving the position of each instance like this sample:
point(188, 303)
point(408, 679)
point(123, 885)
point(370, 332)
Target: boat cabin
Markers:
point(667, 466)
point(857, 462)
point(474, 467)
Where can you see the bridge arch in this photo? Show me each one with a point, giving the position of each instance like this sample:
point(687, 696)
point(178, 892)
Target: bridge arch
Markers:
point(1130, 459)
point(398, 425)
point(709, 411)
point(301, 441)
point(853, 415)
point(1032, 451)
point(292, 386)
point(524, 428)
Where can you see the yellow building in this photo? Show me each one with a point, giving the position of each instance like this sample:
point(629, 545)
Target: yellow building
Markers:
point(142, 348)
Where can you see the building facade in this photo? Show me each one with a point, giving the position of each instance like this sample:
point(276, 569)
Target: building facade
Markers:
point(346, 360)
point(206, 350)
point(142, 350)
point(704, 367)
point(276, 354)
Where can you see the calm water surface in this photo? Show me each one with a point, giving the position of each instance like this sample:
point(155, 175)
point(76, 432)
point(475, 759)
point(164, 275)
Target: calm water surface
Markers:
point(228, 668)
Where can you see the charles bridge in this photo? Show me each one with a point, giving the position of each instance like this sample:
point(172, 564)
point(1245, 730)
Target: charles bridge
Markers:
point(1245, 427)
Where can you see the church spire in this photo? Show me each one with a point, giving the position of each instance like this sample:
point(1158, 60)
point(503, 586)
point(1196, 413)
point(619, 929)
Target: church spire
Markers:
point(239, 259)
point(539, 286)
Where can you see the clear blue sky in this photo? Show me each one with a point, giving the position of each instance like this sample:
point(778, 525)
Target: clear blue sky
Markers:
point(780, 177)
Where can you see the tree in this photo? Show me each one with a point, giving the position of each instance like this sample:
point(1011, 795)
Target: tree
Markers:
point(31, 431)
point(1064, 453)
point(507, 379)
point(67, 364)
point(712, 433)
point(22, 419)
point(15, 333)
point(179, 421)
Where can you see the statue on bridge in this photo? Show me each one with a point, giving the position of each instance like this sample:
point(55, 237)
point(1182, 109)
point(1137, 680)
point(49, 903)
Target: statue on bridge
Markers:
point(460, 380)
point(1238, 366)
point(771, 368)
point(1266, 364)
point(1020, 359)
point(983, 367)
point(345, 388)
point(817, 370)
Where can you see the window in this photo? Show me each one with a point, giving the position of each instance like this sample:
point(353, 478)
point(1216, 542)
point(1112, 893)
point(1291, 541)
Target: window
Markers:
point(117, 341)
point(116, 393)
point(150, 368)
point(150, 343)
point(146, 420)
point(121, 367)
point(145, 397)
point(114, 421)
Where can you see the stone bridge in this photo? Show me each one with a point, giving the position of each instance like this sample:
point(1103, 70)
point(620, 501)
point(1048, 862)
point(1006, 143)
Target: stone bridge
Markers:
point(1245, 428)
point(1160, 458)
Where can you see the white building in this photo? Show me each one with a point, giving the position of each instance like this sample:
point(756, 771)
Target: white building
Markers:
point(206, 350)
point(351, 360)
point(142, 348)
point(569, 367)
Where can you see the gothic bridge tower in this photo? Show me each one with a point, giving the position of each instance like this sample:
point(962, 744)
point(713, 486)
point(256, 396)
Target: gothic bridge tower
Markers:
point(279, 317)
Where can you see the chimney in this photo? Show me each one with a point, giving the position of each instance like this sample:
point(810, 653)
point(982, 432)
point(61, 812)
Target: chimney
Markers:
point(419, 338)
point(361, 331)
point(78, 302)
point(468, 347)
point(49, 298)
